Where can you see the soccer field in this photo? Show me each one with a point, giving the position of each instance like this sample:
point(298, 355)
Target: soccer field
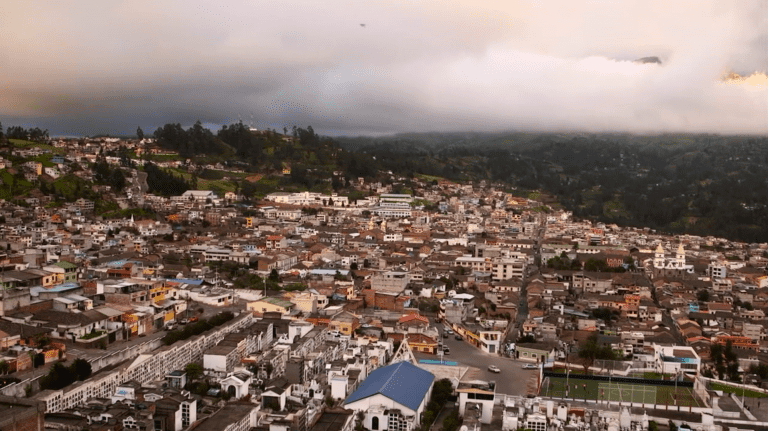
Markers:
point(621, 392)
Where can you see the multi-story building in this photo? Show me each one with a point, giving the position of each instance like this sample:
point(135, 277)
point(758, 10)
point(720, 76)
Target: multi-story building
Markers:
point(675, 359)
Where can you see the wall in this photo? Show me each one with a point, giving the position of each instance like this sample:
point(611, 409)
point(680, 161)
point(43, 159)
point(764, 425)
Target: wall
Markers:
point(38, 306)
point(146, 368)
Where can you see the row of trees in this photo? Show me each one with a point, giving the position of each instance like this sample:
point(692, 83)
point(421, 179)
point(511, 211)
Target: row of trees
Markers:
point(18, 132)
point(61, 376)
point(193, 141)
point(106, 174)
point(198, 327)
point(165, 183)
point(441, 392)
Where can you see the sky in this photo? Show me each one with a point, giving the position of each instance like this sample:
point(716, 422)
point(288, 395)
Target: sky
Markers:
point(370, 67)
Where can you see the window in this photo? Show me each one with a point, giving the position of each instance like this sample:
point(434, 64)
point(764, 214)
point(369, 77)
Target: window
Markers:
point(375, 423)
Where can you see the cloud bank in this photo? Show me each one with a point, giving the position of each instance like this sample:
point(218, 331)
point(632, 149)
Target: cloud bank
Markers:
point(87, 67)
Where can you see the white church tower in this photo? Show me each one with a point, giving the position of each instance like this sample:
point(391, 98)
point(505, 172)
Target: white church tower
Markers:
point(658, 260)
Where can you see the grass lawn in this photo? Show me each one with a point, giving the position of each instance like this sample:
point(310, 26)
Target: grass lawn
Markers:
point(738, 391)
point(218, 186)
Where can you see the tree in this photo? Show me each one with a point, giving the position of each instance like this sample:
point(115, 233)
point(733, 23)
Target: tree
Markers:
point(140, 133)
point(274, 275)
point(81, 369)
point(725, 360)
point(702, 295)
point(591, 350)
point(193, 370)
point(452, 421)
point(42, 341)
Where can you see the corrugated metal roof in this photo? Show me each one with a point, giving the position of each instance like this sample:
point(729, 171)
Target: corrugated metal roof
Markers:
point(403, 382)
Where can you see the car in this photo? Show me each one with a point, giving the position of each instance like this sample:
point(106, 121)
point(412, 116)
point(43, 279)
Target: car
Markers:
point(530, 367)
point(445, 335)
point(446, 351)
point(193, 319)
point(493, 369)
point(183, 321)
point(458, 337)
point(449, 331)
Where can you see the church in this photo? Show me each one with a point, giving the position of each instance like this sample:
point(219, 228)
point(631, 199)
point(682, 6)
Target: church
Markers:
point(671, 266)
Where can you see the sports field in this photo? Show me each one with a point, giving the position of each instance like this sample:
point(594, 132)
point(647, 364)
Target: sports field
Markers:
point(622, 392)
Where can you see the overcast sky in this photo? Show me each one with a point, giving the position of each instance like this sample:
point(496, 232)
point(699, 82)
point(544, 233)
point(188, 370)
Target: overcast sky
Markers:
point(380, 67)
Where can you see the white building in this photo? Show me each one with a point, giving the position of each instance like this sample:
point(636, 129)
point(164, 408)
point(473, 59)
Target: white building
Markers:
point(308, 198)
point(674, 359)
point(196, 196)
point(392, 397)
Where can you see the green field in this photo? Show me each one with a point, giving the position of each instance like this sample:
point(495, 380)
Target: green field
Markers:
point(621, 392)
point(734, 390)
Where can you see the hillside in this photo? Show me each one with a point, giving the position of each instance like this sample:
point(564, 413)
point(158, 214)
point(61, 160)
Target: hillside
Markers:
point(698, 184)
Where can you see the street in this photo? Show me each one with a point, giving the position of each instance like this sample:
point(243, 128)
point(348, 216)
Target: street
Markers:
point(513, 379)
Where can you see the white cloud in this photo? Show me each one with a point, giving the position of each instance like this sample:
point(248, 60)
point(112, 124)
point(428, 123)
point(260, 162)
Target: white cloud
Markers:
point(90, 66)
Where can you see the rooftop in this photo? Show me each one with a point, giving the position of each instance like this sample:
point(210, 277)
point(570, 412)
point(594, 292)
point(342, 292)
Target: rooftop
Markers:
point(402, 382)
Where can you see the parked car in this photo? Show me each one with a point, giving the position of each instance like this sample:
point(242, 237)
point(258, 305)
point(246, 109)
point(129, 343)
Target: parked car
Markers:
point(183, 321)
point(192, 319)
point(445, 335)
point(449, 331)
point(530, 367)
point(458, 337)
point(446, 351)
point(494, 369)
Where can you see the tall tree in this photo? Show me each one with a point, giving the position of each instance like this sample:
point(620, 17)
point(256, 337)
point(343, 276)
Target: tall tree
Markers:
point(140, 133)
point(591, 350)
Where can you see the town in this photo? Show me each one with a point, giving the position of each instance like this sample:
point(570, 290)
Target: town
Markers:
point(419, 303)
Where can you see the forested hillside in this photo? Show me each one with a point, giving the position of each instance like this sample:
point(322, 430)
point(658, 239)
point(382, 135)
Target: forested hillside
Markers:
point(699, 184)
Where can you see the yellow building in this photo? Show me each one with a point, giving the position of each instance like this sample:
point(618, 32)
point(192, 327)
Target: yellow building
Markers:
point(344, 322)
point(270, 305)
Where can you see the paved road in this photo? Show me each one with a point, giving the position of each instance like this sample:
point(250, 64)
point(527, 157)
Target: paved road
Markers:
point(512, 380)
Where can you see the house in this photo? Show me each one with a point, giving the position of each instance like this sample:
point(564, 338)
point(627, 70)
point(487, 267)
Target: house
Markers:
point(270, 304)
point(535, 352)
point(413, 322)
point(392, 397)
point(422, 343)
point(480, 393)
point(65, 271)
point(344, 322)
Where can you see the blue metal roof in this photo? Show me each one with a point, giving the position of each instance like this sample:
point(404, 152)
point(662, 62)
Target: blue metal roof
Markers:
point(402, 382)
point(191, 281)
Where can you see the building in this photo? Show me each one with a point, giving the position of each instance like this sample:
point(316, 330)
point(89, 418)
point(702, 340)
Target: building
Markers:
point(393, 397)
point(196, 196)
point(232, 417)
point(344, 322)
point(21, 414)
point(480, 393)
point(270, 305)
point(535, 352)
point(668, 266)
point(674, 359)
